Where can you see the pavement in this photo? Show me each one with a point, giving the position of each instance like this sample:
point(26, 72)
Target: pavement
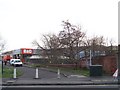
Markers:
point(60, 81)
point(68, 79)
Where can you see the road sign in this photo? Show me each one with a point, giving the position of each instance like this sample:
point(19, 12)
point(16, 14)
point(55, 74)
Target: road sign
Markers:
point(115, 75)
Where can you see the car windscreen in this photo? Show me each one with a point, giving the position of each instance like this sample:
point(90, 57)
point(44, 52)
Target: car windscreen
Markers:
point(17, 61)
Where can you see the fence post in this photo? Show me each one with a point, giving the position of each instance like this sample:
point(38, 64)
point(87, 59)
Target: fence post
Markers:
point(58, 74)
point(14, 73)
point(118, 43)
point(36, 74)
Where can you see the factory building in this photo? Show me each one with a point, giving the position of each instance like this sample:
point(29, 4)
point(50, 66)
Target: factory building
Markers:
point(22, 53)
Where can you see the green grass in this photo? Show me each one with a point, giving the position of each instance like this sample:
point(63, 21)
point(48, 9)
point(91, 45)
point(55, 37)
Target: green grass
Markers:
point(78, 71)
point(8, 72)
point(38, 65)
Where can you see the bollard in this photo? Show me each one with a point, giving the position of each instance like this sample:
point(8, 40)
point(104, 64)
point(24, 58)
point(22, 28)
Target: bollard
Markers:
point(36, 74)
point(14, 75)
point(58, 74)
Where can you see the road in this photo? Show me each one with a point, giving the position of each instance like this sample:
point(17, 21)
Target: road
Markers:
point(29, 73)
point(46, 76)
point(49, 79)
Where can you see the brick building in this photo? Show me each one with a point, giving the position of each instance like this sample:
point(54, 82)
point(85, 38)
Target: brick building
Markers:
point(109, 63)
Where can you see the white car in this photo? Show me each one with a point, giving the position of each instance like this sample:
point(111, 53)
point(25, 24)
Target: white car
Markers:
point(11, 61)
point(16, 62)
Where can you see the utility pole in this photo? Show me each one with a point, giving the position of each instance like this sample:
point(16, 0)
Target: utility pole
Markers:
point(118, 43)
point(119, 64)
point(90, 58)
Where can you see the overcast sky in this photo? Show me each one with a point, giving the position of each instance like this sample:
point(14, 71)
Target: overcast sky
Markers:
point(22, 21)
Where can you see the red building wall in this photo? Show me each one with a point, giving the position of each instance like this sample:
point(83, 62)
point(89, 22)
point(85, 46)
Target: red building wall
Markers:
point(109, 63)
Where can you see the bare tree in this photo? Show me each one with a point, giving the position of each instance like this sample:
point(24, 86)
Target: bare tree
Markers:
point(96, 44)
point(50, 47)
point(67, 43)
point(71, 38)
point(111, 41)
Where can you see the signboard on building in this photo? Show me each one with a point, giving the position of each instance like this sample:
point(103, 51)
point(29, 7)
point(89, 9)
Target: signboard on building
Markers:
point(26, 51)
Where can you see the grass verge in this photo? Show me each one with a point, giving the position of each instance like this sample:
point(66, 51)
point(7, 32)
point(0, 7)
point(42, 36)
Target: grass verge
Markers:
point(78, 71)
point(8, 72)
